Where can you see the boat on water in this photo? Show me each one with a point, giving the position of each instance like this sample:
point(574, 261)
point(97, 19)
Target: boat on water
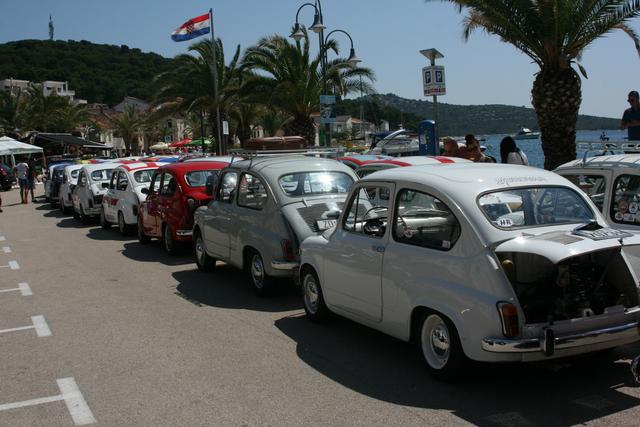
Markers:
point(526, 133)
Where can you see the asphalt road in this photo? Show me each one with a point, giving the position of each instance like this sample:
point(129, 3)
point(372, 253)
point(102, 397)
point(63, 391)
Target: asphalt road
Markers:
point(149, 340)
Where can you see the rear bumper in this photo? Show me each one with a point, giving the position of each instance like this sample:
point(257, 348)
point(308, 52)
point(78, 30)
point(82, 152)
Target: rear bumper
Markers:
point(550, 345)
point(284, 265)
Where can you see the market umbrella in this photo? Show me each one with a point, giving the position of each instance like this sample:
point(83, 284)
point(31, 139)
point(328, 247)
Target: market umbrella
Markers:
point(160, 146)
point(180, 143)
point(198, 142)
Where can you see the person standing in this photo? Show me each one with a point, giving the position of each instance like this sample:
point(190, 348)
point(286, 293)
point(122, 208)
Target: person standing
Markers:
point(22, 170)
point(473, 151)
point(510, 153)
point(31, 179)
point(631, 117)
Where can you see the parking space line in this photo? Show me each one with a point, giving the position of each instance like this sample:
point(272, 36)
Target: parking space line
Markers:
point(12, 265)
point(24, 289)
point(6, 249)
point(70, 393)
point(39, 324)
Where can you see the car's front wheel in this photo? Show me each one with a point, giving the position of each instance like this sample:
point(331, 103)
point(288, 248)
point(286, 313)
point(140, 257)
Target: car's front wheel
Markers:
point(104, 223)
point(203, 260)
point(441, 347)
point(262, 283)
point(312, 297)
point(143, 239)
point(84, 218)
point(123, 227)
point(170, 245)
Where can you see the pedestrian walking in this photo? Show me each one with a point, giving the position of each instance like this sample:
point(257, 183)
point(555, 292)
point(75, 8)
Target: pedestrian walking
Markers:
point(510, 153)
point(631, 117)
point(31, 179)
point(22, 170)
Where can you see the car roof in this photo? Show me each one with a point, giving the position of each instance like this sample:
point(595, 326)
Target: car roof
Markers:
point(131, 167)
point(100, 166)
point(282, 164)
point(360, 159)
point(416, 161)
point(73, 167)
point(464, 179)
point(224, 159)
point(188, 166)
point(599, 162)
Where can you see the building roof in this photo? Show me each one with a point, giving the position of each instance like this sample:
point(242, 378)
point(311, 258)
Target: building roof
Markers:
point(45, 139)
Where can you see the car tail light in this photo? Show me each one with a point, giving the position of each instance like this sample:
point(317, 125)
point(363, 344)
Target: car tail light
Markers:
point(509, 316)
point(287, 250)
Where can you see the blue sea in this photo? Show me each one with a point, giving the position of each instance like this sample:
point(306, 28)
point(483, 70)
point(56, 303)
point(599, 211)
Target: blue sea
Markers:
point(533, 147)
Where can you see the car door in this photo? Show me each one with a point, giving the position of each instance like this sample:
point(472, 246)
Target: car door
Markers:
point(166, 194)
point(151, 212)
point(77, 192)
point(218, 220)
point(353, 260)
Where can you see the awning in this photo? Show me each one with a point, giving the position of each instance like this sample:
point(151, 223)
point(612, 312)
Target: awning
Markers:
point(45, 139)
point(9, 146)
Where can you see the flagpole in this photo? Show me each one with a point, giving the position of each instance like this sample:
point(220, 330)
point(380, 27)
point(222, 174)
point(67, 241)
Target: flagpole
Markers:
point(221, 149)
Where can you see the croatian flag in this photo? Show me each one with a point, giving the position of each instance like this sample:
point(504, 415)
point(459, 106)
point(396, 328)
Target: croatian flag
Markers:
point(193, 28)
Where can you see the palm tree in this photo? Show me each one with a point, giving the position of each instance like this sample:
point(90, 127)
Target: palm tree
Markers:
point(553, 33)
point(128, 126)
point(189, 86)
point(290, 79)
point(11, 112)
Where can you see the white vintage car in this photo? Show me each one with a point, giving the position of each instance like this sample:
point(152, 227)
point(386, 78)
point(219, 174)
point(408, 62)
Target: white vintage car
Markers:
point(263, 208)
point(492, 263)
point(124, 194)
point(69, 181)
point(88, 193)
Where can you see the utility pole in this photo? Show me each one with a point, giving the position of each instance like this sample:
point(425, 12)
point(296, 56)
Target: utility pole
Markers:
point(50, 28)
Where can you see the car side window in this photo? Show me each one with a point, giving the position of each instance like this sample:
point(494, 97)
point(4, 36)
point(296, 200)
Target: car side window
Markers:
point(123, 182)
point(168, 185)
point(423, 220)
point(155, 183)
point(113, 180)
point(625, 203)
point(367, 213)
point(252, 192)
point(227, 188)
point(594, 185)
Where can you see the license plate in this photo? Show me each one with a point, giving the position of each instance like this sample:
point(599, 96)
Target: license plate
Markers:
point(325, 224)
point(603, 234)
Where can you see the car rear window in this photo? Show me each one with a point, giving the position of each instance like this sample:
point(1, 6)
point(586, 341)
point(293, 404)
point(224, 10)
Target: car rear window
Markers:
point(199, 178)
point(101, 174)
point(310, 183)
point(74, 173)
point(143, 176)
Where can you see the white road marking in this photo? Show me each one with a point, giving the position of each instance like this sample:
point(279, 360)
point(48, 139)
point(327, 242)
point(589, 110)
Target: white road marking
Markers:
point(76, 404)
point(12, 265)
point(24, 289)
point(2, 239)
point(70, 393)
point(39, 324)
point(6, 249)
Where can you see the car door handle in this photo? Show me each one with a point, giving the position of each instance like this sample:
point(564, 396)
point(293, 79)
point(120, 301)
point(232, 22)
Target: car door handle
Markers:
point(378, 248)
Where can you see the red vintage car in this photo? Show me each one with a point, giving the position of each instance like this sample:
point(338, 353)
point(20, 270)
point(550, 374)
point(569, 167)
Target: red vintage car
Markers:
point(176, 191)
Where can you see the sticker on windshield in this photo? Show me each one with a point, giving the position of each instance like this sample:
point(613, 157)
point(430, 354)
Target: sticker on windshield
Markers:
point(618, 216)
point(505, 222)
point(629, 217)
point(633, 207)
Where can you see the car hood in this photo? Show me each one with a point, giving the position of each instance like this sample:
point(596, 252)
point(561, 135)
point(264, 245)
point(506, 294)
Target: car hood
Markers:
point(557, 246)
point(302, 215)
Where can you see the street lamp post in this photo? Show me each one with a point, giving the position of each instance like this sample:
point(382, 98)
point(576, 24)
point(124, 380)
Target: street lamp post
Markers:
point(318, 28)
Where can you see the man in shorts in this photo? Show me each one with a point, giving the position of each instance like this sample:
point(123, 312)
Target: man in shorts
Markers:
point(631, 118)
point(22, 171)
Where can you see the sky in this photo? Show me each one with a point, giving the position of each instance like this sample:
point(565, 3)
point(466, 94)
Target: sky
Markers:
point(388, 36)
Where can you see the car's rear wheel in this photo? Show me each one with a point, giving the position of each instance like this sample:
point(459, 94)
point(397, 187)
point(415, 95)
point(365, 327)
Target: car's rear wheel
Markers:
point(123, 227)
point(262, 283)
point(63, 208)
point(441, 347)
point(76, 215)
point(170, 245)
point(312, 297)
point(203, 260)
point(104, 223)
point(143, 239)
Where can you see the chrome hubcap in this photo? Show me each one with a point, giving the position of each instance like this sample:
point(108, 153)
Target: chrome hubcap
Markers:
point(311, 294)
point(436, 342)
point(121, 222)
point(257, 271)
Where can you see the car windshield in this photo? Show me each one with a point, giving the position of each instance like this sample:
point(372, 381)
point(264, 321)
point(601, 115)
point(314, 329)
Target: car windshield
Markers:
point(199, 178)
point(74, 173)
point(310, 183)
point(143, 176)
point(534, 207)
point(101, 175)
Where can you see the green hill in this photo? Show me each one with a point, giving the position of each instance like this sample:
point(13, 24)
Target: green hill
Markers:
point(98, 73)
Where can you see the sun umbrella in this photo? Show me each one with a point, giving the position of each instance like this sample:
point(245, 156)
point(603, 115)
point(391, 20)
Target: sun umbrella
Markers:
point(180, 143)
point(198, 142)
point(160, 146)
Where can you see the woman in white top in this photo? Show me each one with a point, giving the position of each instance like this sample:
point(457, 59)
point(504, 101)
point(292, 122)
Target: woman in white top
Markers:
point(510, 153)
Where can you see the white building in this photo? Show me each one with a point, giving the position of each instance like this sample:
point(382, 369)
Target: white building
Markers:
point(48, 87)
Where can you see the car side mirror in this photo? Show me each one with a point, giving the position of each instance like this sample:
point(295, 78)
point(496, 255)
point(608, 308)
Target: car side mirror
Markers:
point(145, 190)
point(105, 185)
point(211, 184)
